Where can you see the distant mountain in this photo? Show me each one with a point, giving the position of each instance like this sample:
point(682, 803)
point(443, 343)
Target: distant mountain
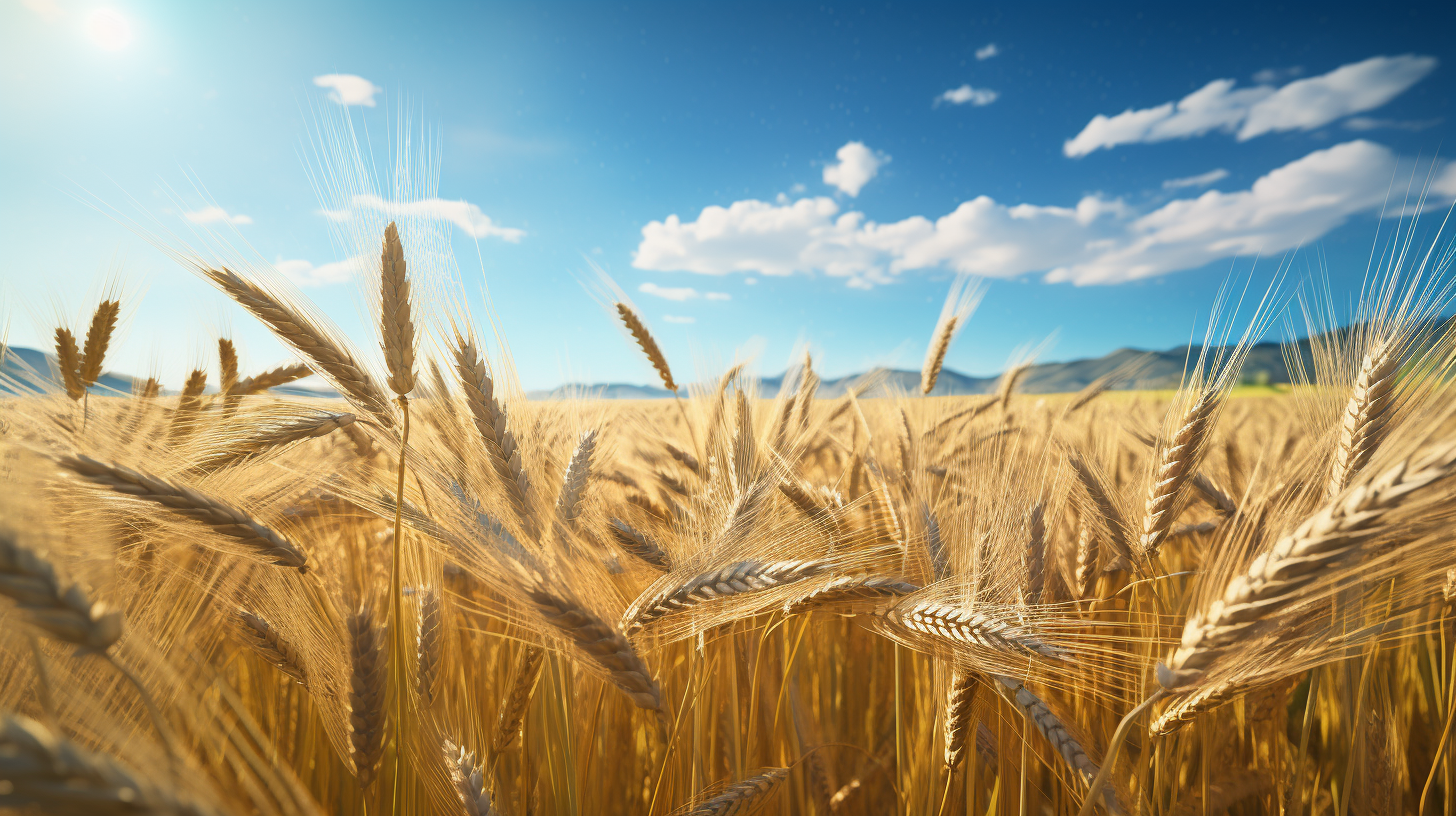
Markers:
point(1156, 370)
point(22, 367)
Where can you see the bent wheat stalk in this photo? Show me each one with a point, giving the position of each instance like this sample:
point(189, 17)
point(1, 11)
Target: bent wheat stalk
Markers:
point(263, 638)
point(732, 581)
point(524, 677)
point(741, 797)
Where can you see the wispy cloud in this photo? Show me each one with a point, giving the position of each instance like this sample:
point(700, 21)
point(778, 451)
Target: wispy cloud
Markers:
point(349, 89)
point(680, 293)
point(966, 95)
point(857, 165)
point(1363, 123)
point(987, 51)
point(462, 214)
point(678, 319)
point(1097, 241)
point(306, 275)
point(1304, 104)
point(1200, 180)
point(1273, 76)
point(215, 215)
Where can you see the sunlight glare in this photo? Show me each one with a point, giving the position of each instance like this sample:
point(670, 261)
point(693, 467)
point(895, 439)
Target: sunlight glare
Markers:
point(108, 29)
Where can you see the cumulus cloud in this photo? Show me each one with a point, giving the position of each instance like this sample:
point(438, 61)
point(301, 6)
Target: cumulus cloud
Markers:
point(215, 215)
point(987, 51)
point(462, 214)
point(678, 319)
point(1098, 240)
point(857, 165)
point(1200, 180)
point(306, 275)
point(1304, 104)
point(965, 94)
point(680, 293)
point(349, 89)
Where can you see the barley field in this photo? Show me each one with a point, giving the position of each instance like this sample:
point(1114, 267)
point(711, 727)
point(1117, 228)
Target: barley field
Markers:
point(433, 596)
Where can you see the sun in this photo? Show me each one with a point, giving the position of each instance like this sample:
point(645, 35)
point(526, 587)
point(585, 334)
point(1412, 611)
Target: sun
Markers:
point(108, 29)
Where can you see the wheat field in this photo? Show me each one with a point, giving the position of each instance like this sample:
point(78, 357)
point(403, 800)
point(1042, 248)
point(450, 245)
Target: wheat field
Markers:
point(433, 596)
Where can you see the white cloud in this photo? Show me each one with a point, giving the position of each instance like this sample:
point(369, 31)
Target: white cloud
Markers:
point(977, 97)
point(1097, 241)
point(462, 214)
point(1271, 76)
point(1362, 123)
point(678, 319)
point(680, 293)
point(215, 215)
point(349, 89)
point(857, 165)
point(987, 51)
point(1200, 180)
point(1304, 104)
point(305, 274)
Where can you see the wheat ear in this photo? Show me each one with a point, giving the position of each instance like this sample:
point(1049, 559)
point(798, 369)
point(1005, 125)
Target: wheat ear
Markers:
point(218, 515)
point(41, 768)
point(1009, 380)
point(601, 642)
point(468, 779)
point(98, 337)
point(1185, 709)
point(1275, 580)
point(1056, 734)
point(1035, 556)
point(963, 627)
point(935, 359)
point(301, 332)
point(490, 421)
point(848, 592)
point(639, 545)
point(184, 421)
point(273, 378)
point(428, 647)
point(366, 694)
point(227, 367)
point(574, 481)
point(732, 581)
point(263, 638)
point(62, 610)
point(1367, 413)
point(959, 700)
point(396, 325)
point(276, 436)
point(524, 677)
point(741, 797)
point(633, 322)
point(68, 360)
point(1086, 570)
point(1176, 463)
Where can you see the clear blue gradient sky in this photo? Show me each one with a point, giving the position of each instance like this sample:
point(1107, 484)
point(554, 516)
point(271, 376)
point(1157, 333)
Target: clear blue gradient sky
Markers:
point(809, 173)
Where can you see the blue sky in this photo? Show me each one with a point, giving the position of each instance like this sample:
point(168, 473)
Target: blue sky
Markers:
point(754, 176)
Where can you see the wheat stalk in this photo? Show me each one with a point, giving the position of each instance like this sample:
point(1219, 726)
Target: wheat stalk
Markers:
point(219, 516)
point(68, 360)
point(732, 581)
point(633, 322)
point(98, 337)
point(1276, 579)
point(741, 797)
point(366, 694)
point(263, 638)
point(1176, 463)
point(1367, 413)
